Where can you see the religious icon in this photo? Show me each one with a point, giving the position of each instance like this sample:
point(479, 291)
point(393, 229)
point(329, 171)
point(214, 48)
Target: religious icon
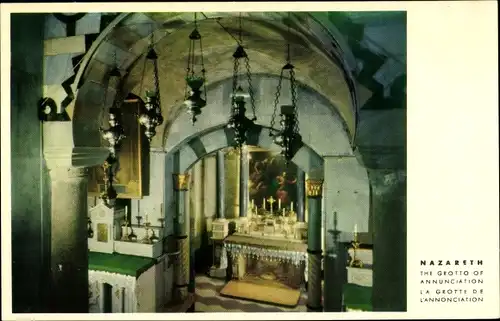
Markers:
point(270, 176)
point(102, 232)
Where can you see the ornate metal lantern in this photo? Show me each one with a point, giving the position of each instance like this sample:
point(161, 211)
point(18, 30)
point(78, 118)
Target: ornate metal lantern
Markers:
point(113, 135)
point(238, 120)
point(152, 117)
point(288, 136)
point(195, 98)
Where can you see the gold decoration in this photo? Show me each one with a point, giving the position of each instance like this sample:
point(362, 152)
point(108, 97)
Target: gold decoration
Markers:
point(314, 187)
point(102, 232)
point(181, 182)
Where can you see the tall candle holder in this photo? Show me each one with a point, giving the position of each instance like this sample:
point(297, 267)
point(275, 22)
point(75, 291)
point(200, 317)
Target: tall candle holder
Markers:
point(132, 236)
point(154, 238)
point(139, 219)
point(355, 262)
point(146, 239)
point(124, 231)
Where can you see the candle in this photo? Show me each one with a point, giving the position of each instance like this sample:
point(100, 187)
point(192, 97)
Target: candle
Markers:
point(355, 228)
point(253, 204)
point(291, 206)
point(283, 211)
point(264, 203)
point(126, 210)
point(279, 203)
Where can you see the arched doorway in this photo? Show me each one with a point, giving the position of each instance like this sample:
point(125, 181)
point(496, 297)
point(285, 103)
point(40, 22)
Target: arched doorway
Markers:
point(323, 115)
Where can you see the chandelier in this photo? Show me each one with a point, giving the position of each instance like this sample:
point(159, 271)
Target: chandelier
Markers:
point(195, 80)
point(238, 121)
point(151, 117)
point(288, 136)
point(113, 135)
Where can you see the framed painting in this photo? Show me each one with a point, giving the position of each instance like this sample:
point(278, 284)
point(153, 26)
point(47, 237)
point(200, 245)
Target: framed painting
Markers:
point(269, 176)
point(131, 181)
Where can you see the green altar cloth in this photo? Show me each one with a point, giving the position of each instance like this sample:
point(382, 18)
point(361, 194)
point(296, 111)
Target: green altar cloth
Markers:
point(358, 297)
point(120, 263)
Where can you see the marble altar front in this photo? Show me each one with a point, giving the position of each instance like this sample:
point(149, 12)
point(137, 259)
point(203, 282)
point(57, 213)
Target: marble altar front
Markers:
point(267, 258)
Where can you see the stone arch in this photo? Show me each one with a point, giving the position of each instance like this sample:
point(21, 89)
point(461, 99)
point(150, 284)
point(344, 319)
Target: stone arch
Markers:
point(195, 148)
point(321, 37)
point(327, 153)
point(317, 117)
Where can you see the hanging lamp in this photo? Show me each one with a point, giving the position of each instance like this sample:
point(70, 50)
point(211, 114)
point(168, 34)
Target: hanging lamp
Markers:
point(288, 136)
point(114, 136)
point(151, 117)
point(195, 79)
point(238, 121)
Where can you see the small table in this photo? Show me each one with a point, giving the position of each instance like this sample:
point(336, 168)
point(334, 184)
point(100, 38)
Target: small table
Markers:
point(118, 274)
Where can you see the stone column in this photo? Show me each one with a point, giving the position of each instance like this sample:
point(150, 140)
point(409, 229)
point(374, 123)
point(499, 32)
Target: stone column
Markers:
point(68, 287)
point(181, 230)
point(69, 247)
point(243, 181)
point(301, 210)
point(314, 193)
point(388, 206)
point(220, 170)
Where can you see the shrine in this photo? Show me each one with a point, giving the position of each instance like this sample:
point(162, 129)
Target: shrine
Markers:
point(208, 162)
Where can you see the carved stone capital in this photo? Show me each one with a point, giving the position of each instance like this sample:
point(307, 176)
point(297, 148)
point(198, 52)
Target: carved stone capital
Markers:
point(59, 150)
point(181, 182)
point(314, 187)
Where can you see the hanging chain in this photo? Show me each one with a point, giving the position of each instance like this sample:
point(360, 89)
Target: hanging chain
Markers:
point(240, 31)
point(236, 68)
point(293, 87)
point(250, 87)
point(276, 102)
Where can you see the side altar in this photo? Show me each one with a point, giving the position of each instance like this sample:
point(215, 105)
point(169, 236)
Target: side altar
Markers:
point(126, 262)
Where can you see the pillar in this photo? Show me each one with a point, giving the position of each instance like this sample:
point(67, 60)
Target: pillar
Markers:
point(243, 186)
point(301, 210)
point(69, 247)
point(388, 206)
point(68, 287)
point(181, 230)
point(314, 194)
point(220, 170)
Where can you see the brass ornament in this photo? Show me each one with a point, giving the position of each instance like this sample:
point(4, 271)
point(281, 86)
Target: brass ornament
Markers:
point(181, 182)
point(314, 187)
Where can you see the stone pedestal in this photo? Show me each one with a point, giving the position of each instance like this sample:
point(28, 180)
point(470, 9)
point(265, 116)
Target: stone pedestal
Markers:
point(219, 232)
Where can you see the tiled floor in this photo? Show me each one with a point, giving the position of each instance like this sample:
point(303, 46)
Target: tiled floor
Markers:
point(208, 300)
